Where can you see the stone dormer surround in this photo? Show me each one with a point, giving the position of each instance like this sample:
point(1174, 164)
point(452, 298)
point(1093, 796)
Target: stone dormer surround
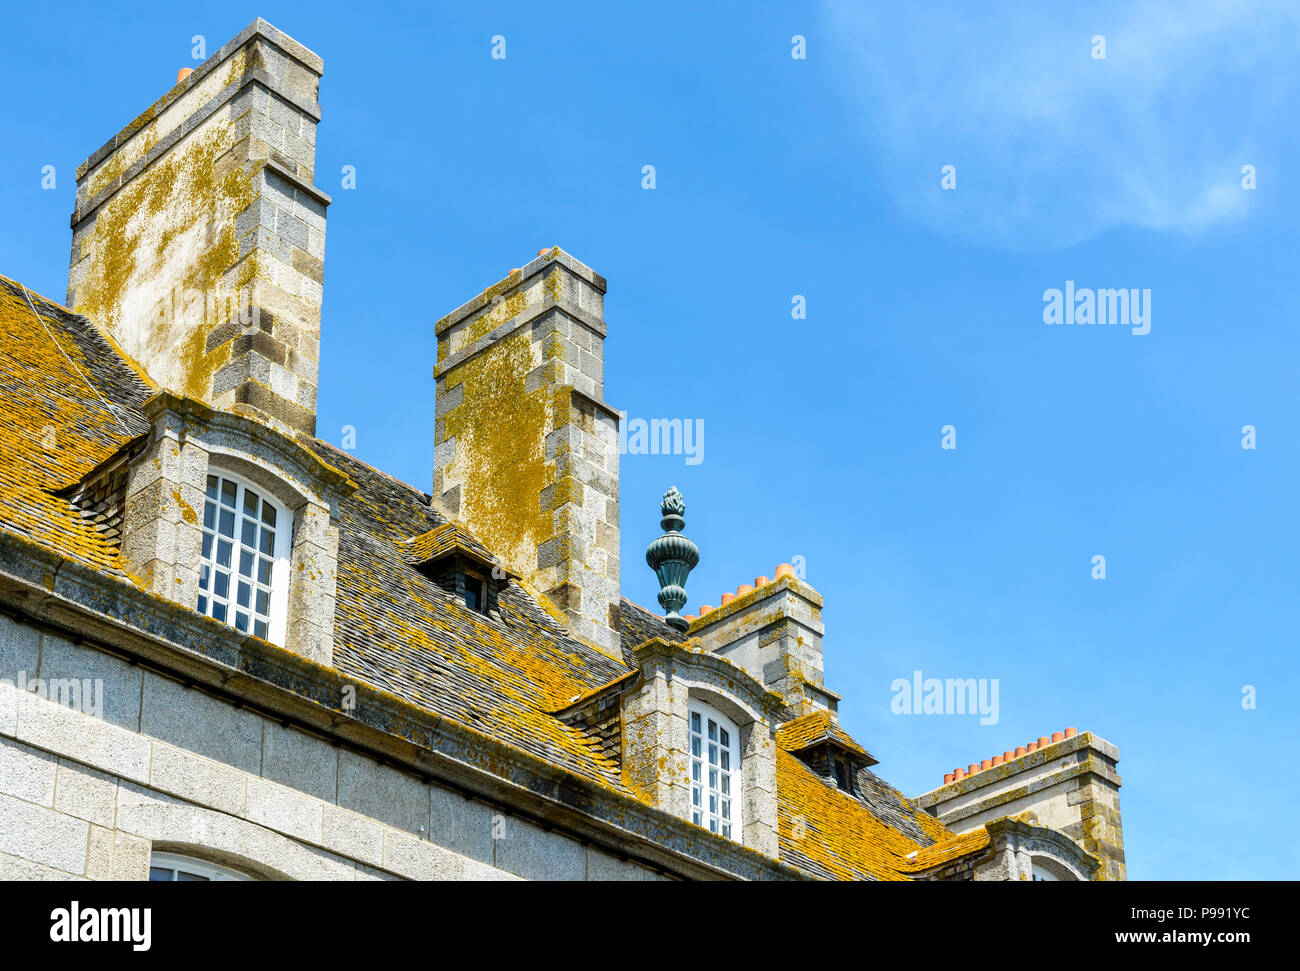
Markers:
point(1008, 848)
point(656, 732)
point(162, 528)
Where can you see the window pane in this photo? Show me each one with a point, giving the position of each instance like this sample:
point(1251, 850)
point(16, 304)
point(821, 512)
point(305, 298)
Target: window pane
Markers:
point(259, 629)
point(268, 514)
point(713, 778)
point(226, 526)
point(695, 721)
point(160, 872)
point(207, 544)
point(212, 487)
point(713, 730)
point(194, 877)
point(264, 602)
point(241, 623)
point(726, 785)
point(223, 553)
point(695, 746)
point(726, 759)
point(221, 586)
point(723, 737)
point(248, 533)
point(209, 515)
point(203, 605)
point(268, 541)
point(713, 755)
point(227, 493)
point(245, 594)
point(219, 612)
point(250, 503)
point(246, 559)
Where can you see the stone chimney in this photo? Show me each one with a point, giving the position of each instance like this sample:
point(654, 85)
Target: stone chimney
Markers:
point(198, 238)
point(1068, 779)
point(525, 448)
point(773, 629)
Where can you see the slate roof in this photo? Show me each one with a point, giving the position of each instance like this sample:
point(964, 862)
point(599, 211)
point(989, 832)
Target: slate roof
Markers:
point(816, 729)
point(72, 401)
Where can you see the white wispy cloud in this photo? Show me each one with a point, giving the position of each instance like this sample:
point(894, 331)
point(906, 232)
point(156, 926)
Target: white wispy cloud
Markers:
point(1051, 145)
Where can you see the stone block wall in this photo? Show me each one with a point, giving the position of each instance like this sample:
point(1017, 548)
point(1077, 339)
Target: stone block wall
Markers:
point(89, 794)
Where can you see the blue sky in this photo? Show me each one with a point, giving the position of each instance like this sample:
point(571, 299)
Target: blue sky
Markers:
point(821, 177)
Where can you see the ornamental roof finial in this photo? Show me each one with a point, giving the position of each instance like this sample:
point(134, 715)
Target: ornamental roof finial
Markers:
point(672, 556)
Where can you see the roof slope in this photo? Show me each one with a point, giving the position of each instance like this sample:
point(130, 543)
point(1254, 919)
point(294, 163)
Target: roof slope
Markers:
point(399, 631)
point(55, 371)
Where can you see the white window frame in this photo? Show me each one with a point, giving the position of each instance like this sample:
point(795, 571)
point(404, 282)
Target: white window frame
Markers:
point(707, 806)
point(277, 617)
point(201, 869)
point(1042, 874)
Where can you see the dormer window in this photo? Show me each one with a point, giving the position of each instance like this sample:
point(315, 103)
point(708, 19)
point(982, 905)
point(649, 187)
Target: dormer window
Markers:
point(244, 571)
point(844, 775)
point(473, 591)
point(715, 771)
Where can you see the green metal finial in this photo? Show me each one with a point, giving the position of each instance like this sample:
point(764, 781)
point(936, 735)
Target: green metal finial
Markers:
point(672, 556)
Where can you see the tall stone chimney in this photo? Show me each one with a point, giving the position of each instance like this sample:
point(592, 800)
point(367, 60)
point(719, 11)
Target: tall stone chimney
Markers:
point(525, 448)
point(198, 238)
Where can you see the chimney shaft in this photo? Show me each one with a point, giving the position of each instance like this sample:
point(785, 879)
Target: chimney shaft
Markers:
point(775, 633)
point(525, 448)
point(199, 240)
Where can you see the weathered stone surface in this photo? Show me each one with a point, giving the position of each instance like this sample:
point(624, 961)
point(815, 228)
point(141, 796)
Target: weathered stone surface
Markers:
point(382, 793)
point(280, 808)
point(199, 723)
point(42, 835)
point(84, 738)
point(300, 761)
point(527, 851)
point(198, 779)
point(85, 793)
point(353, 835)
point(27, 773)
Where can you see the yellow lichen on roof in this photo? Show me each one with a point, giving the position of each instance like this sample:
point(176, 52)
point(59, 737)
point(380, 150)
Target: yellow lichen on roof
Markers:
point(832, 830)
point(948, 850)
point(55, 429)
point(807, 730)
